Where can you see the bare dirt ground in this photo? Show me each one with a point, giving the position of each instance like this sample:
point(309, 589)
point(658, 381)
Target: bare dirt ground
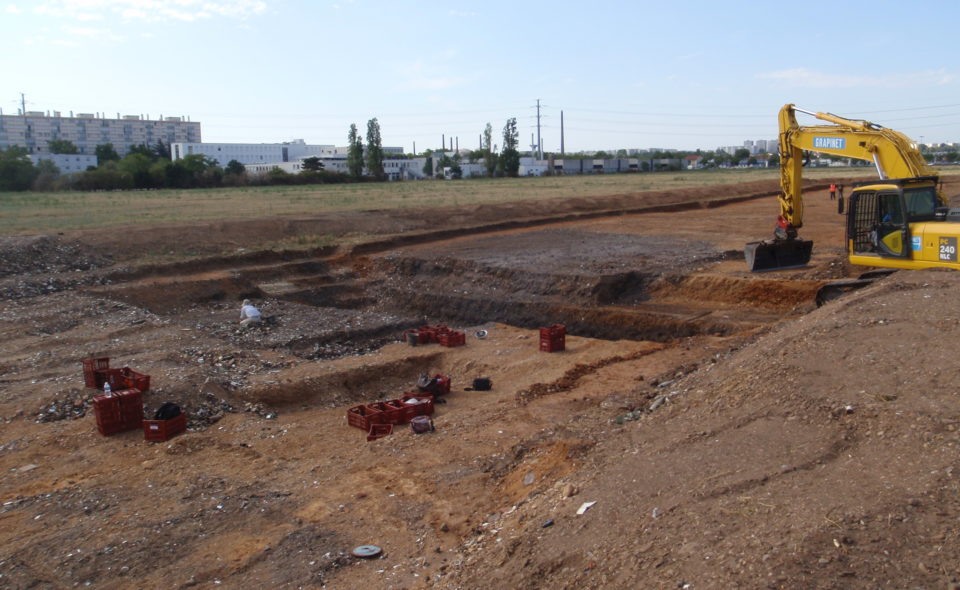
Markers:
point(730, 434)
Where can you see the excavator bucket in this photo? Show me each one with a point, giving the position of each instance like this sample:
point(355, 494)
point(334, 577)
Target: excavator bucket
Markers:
point(777, 254)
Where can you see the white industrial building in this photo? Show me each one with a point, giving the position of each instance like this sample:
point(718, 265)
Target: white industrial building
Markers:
point(252, 153)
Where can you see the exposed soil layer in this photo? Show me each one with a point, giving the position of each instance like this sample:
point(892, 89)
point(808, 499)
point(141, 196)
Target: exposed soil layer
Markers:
point(730, 434)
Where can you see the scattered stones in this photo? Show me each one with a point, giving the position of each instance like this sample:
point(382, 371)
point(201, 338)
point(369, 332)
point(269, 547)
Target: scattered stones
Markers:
point(73, 404)
point(657, 402)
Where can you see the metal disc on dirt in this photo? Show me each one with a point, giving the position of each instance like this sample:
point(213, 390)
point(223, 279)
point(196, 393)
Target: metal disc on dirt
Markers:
point(367, 551)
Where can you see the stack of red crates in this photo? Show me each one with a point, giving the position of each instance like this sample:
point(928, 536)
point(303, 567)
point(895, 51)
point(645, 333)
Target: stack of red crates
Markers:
point(118, 412)
point(453, 338)
point(428, 334)
point(440, 334)
point(393, 412)
point(553, 338)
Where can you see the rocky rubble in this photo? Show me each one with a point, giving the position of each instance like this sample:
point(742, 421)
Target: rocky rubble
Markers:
point(72, 405)
point(21, 255)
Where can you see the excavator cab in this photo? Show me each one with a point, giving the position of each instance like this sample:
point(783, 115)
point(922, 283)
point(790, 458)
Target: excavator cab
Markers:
point(876, 224)
point(879, 216)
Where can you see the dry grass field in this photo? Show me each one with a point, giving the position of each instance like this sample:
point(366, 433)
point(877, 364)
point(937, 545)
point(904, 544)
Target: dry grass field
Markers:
point(25, 213)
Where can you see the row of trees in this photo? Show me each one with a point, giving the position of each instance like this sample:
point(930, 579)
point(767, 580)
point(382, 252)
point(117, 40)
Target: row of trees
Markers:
point(506, 163)
point(371, 156)
point(144, 167)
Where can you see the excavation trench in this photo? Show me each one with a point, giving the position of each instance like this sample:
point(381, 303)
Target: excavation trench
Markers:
point(338, 307)
point(345, 308)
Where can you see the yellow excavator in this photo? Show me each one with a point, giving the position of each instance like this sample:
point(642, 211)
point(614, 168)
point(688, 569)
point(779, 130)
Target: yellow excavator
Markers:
point(900, 221)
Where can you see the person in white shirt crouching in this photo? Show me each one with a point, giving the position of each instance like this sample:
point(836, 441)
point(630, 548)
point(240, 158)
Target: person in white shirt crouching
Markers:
point(248, 314)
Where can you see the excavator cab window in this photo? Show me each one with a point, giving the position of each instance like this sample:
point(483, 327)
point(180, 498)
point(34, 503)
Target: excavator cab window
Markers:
point(921, 203)
point(891, 211)
point(876, 224)
point(890, 235)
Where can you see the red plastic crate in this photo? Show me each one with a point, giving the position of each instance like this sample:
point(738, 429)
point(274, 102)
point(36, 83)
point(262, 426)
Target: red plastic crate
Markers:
point(427, 335)
point(136, 380)
point(553, 331)
point(555, 344)
point(161, 430)
point(112, 376)
point(363, 417)
point(453, 338)
point(118, 412)
point(90, 367)
point(379, 431)
point(422, 406)
point(390, 414)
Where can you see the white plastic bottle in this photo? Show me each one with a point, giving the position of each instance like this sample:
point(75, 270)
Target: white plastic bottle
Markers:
point(106, 389)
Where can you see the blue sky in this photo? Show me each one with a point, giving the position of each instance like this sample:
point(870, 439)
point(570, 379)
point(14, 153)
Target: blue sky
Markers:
point(639, 74)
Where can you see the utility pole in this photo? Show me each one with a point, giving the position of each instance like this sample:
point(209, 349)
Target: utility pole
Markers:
point(539, 146)
point(561, 133)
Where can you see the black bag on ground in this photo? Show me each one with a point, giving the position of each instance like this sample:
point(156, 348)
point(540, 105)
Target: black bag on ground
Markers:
point(482, 384)
point(167, 411)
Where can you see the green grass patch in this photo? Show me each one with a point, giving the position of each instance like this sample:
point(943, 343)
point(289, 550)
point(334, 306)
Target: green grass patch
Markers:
point(22, 213)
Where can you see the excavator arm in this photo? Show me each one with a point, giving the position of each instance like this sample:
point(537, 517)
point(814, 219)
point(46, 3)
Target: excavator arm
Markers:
point(893, 154)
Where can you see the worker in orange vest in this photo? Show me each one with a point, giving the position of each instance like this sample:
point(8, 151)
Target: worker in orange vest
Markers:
point(833, 192)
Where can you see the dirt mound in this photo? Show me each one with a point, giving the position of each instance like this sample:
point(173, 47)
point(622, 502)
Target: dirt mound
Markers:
point(822, 456)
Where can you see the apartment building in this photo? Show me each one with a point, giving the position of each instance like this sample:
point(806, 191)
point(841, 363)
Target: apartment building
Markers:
point(66, 163)
point(36, 129)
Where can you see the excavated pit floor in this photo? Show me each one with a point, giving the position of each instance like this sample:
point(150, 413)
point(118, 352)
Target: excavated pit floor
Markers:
point(278, 492)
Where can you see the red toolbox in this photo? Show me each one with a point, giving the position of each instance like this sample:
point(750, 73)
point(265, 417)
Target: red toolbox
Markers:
point(90, 368)
point(363, 417)
point(118, 412)
point(161, 430)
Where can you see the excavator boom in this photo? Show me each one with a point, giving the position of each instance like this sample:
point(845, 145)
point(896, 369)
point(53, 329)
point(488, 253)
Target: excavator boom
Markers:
point(893, 154)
